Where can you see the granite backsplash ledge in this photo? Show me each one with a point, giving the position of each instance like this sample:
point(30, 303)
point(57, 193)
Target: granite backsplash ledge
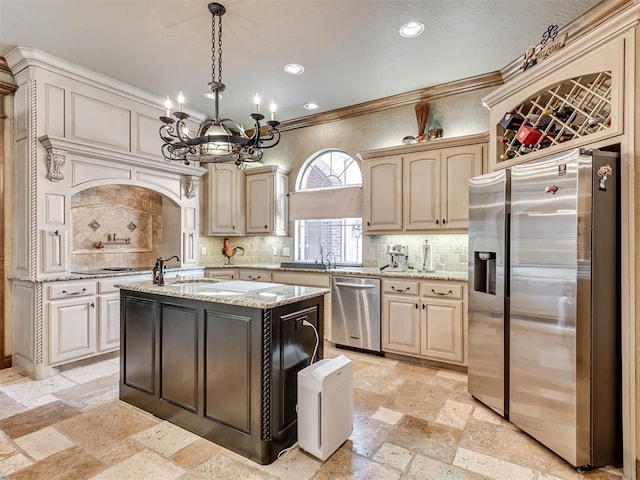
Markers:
point(450, 251)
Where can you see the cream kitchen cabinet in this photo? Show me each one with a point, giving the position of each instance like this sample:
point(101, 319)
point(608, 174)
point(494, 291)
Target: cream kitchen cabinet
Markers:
point(223, 200)
point(382, 190)
point(425, 320)
point(266, 200)
point(72, 322)
point(420, 187)
point(442, 322)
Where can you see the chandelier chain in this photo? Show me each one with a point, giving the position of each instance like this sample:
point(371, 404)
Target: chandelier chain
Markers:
point(220, 49)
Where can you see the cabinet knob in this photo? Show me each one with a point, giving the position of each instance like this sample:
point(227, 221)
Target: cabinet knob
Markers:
point(437, 222)
point(416, 306)
point(424, 306)
point(368, 224)
point(444, 221)
point(93, 305)
point(265, 227)
point(233, 227)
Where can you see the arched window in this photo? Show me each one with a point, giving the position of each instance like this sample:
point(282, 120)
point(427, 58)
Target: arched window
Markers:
point(327, 209)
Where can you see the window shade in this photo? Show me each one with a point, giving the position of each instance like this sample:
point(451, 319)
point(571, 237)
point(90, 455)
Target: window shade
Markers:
point(341, 202)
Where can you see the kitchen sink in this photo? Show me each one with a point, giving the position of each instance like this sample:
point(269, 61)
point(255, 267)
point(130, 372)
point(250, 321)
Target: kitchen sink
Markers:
point(304, 265)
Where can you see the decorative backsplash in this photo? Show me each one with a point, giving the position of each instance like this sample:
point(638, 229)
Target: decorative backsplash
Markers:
point(116, 225)
point(449, 250)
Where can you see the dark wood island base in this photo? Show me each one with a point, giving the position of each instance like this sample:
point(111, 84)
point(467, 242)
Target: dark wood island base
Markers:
point(225, 372)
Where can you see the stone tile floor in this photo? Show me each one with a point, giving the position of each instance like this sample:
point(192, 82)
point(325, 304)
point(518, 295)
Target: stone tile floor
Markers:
point(410, 422)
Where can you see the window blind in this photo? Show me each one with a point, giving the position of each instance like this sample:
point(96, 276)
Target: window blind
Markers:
point(339, 202)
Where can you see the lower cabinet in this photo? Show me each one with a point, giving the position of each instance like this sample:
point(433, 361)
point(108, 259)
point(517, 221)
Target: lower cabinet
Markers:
point(425, 319)
point(72, 328)
point(109, 314)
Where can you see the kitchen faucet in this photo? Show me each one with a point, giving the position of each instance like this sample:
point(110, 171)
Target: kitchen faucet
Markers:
point(158, 269)
point(331, 254)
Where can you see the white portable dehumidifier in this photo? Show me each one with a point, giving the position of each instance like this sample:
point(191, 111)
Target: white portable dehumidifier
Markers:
point(325, 406)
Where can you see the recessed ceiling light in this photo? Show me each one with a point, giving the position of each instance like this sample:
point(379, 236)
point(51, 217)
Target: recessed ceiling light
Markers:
point(411, 29)
point(294, 68)
point(210, 95)
point(311, 106)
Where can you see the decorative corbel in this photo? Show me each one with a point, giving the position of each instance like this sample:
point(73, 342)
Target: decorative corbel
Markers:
point(55, 164)
point(191, 185)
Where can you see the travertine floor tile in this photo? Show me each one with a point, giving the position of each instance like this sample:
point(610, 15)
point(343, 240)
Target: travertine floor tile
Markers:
point(388, 416)
point(9, 407)
point(377, 379)
point(422, 400)
point(425, 468)
point(345, 464)
point(43, 443)
point(143, 465)
point(454, 414)
point(296, 464)
point(103, 427)
point(91, 393)
point(196, 453)
point(367, 436)
point(491, 466)
point(428, 438)
point(13, 463)
point(25, 391)
point(92, 371)
point(70, 464)
point(36, 419)
point(165, 438)
point(9, 376)
point(120, 451)
point(221, 466)
point(366, 403)
point(393, 456)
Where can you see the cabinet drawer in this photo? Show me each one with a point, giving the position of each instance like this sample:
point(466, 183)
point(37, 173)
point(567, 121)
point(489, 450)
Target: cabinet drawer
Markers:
point(400, 286)
point(441, 290)
point(256, 275)
point(72, 290)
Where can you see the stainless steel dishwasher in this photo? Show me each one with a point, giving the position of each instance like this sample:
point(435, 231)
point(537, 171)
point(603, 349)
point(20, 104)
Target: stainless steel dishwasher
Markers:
point(355, 312)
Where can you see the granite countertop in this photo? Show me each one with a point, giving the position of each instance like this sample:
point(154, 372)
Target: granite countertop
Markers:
point(354, 271)
point(96, 274)
point(235, 292)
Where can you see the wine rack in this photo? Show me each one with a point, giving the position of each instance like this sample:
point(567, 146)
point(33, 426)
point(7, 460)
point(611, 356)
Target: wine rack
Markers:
point(566, 111)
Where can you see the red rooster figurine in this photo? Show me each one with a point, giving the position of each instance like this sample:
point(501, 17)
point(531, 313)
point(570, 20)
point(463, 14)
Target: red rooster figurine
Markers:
point(229, 252)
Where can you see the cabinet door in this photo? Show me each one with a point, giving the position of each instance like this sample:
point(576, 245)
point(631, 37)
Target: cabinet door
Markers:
point(382, 189)
point(259, 203)
point(55, 251)
point(223, 200)
point(224, 274)
point(442, 337)
point(401, 324)
point(109, 322)
point(421, 190)
point(458, 166)
point(72, 329)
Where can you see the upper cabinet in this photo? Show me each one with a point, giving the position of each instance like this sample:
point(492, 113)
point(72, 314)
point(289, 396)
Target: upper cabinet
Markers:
point(574, 98)
point(266, 200)
point(420, 187)
point(223, 200)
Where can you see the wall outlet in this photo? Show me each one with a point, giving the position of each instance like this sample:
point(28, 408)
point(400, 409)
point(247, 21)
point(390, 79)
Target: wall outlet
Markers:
point(286, 251)
point(203, 250)
point(275, 251)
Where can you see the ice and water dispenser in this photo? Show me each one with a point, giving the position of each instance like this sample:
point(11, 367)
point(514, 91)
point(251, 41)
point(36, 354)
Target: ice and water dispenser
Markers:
point(484, 272)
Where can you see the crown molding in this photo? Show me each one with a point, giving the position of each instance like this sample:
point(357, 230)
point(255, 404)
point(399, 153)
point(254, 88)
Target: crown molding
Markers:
point(6, 78)
point(430, 93)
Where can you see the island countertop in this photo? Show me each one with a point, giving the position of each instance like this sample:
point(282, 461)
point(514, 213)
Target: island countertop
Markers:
point(235, 292)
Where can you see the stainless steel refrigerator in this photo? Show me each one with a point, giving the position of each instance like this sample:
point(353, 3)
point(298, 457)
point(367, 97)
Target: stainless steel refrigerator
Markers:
point(544, 308)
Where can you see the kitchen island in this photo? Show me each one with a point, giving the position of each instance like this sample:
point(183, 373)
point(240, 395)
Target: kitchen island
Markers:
point(220, 359)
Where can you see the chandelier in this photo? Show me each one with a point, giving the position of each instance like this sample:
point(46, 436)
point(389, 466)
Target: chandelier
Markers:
point(218, 140)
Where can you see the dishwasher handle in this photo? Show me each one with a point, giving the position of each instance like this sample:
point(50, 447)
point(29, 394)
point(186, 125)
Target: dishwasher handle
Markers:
point(354, 285)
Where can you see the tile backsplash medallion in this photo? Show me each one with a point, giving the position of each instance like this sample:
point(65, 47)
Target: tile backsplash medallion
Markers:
point(114, 226)
point(449, 250)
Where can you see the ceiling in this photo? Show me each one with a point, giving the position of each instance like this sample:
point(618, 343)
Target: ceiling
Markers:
point(351, 49)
